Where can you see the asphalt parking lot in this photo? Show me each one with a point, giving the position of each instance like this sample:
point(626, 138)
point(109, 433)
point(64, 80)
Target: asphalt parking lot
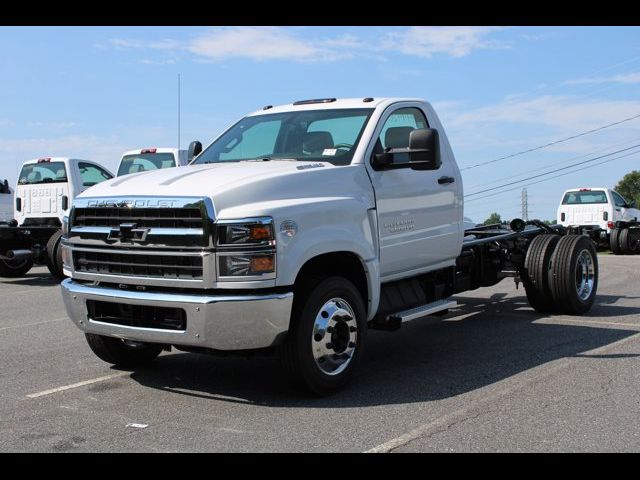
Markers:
point(493, 375)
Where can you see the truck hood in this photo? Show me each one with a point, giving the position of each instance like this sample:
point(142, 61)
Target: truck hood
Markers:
point(234, 184)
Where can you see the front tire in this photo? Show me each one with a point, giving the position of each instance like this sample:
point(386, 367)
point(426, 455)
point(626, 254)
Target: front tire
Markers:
point(122, 353)
point(574, 270)
point(15, 268)
point(326, 339)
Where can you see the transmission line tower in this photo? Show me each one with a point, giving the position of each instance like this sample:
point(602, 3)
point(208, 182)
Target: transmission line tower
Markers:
point(524, 202)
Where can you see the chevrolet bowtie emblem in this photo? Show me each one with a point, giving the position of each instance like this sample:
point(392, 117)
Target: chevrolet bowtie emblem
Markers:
point(128, 232)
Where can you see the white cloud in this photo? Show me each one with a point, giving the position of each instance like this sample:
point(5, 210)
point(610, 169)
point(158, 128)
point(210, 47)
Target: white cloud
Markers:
point(452, 41)
point(164, 44)
point(625, 78)
point(561, 112)
point(265, 43)
point(278, 43)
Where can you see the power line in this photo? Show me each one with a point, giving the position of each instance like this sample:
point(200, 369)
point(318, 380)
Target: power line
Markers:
point(547, 179)
point(555, 142)
point(552, 171)
point(543, 167)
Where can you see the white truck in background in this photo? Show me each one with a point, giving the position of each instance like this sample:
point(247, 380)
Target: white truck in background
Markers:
point(46, 187)
point(6, 202)
point(294, 232)
point(145, 159)
point(604, 215)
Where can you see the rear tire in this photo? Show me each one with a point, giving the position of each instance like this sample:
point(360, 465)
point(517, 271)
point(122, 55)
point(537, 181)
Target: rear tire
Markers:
point(15, 268)
point(121, 354)
point(53, 258)
point(574, 272)
point(614, 241)
point(536, 277)
point(326, 338)
point(628, 242)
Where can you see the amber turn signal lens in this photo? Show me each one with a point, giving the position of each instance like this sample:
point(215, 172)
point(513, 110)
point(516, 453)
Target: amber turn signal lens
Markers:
point(260, 232)
point(262, 264)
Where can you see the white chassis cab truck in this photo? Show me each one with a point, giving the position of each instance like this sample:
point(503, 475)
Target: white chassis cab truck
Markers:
point(46, 187)
point(604, 215)
point(145, 159)
point(294, 232)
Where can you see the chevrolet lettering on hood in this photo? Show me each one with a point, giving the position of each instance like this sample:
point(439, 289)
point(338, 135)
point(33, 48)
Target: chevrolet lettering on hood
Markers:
point(136, 203)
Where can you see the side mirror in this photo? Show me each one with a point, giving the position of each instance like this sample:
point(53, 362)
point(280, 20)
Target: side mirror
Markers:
point(633, 204)
point(195, 148)
point(424, 149)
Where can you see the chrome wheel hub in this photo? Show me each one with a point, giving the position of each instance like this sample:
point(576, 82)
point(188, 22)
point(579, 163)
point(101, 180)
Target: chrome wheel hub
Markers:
point(334, 337)
point(584, 274)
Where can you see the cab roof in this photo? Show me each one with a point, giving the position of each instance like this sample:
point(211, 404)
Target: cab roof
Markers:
point(328, 104)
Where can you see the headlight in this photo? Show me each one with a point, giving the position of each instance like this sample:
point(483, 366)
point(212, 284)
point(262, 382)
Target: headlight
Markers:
point(246, 249)
point(249, 265)
point(65, 226)
point(254, 232)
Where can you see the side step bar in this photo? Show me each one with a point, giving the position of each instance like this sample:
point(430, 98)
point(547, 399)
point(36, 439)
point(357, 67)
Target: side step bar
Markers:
point(422, 310)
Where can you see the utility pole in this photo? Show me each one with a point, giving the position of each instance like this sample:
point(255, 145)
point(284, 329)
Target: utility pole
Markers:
point(524, 202)
point(178, 111)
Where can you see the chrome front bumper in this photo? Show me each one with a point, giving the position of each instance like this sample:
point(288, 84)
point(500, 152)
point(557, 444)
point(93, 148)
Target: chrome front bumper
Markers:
point(221, 322)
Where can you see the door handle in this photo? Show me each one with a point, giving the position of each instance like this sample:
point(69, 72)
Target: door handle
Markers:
point(445, 180)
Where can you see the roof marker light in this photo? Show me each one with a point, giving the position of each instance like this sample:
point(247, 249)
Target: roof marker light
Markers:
point(44, 159)
point(148, 150)
point(315, 100)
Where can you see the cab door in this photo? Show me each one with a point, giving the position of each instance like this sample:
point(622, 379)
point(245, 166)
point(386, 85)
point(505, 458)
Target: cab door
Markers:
point(419, 211)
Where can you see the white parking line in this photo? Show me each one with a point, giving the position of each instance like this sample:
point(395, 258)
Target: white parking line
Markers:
point(594, 322)
point(33, 324)
point(76, 385)
point(450, 418)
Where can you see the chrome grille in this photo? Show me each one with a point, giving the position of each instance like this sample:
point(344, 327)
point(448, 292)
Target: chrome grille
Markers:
point(143, 217)
point(154, 241)
point(170, 266)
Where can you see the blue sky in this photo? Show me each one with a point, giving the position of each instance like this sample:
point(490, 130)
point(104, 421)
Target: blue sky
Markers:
point(94, 92)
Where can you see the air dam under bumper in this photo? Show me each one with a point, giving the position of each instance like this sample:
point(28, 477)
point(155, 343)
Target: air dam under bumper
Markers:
point(220, 322)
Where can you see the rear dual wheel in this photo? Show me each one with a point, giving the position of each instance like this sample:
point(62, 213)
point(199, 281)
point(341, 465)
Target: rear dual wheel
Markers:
point(15, 268)
point(614, 241)
point(561, 274)
point(574, 270)
point(53, 258)
point(628, 241)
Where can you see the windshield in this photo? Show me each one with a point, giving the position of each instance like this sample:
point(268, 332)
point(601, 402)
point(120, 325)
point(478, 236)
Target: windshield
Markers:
point(315, 135)
point(141, 162)
point(585, 197)
point(45, 172)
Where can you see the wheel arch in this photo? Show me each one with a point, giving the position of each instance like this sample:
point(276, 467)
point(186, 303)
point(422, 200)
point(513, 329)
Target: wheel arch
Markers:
point(349, 265)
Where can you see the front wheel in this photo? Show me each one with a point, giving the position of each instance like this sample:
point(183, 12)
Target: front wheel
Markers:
point(122, 353)
point(326, 339)
point(15, 268)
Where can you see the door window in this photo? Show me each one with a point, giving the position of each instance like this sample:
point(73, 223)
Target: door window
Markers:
point(92, 174)
point(618, 200)
point(396, 130)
